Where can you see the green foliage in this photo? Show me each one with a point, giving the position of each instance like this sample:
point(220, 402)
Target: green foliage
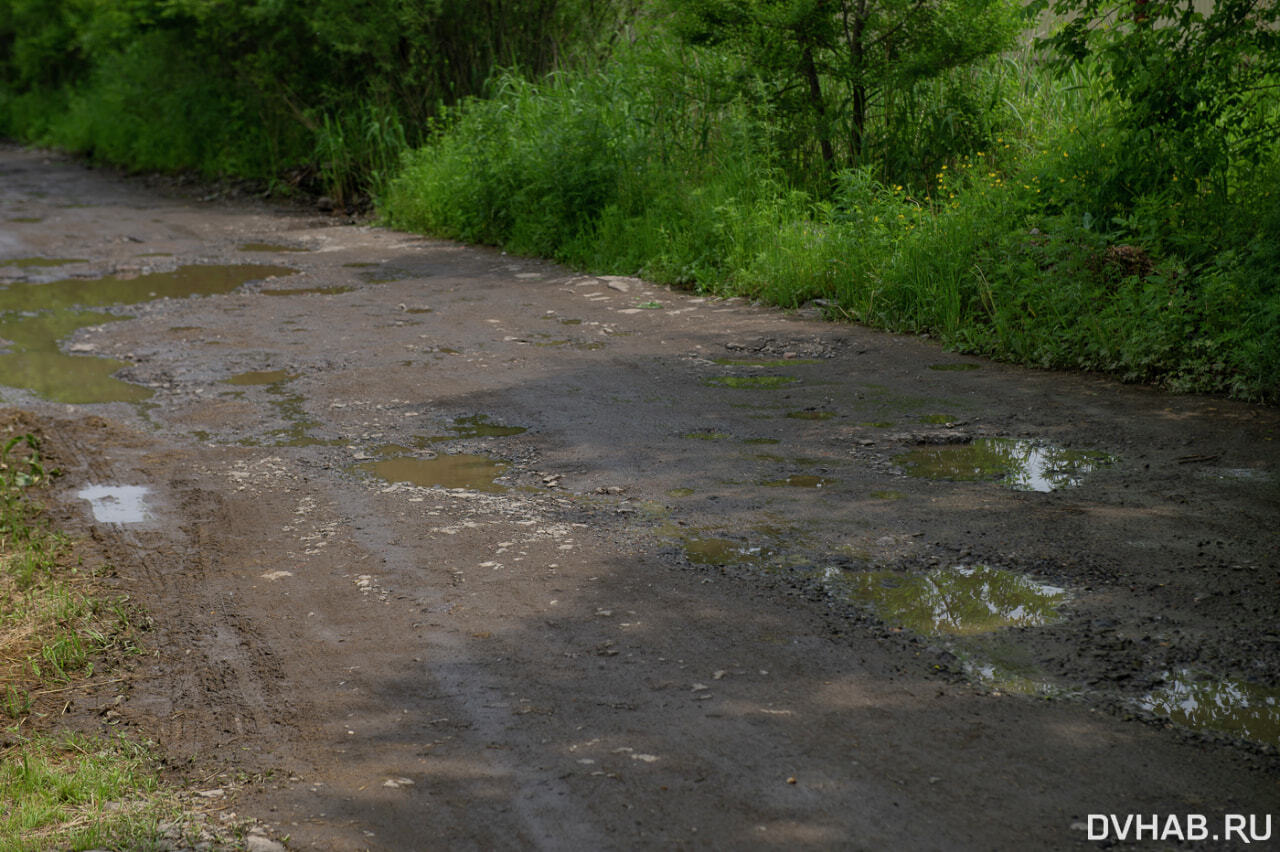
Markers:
point(271, 88)
point(843, 82)
point(1195, 89)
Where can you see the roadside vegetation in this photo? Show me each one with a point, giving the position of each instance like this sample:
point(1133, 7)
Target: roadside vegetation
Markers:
point(1105, 197)
point(60, 789)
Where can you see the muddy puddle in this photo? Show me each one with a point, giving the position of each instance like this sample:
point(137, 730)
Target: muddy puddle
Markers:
point(800, 481)
point(308, 291)
point(472, 472)
point(476, 426)
point(722, 552)
point(750, 382)
point(270, 247)
point(41, 262)
point(961, 600)
point(35, 317)
point(1021, 464)
point(117, 504)
point(1231, 706)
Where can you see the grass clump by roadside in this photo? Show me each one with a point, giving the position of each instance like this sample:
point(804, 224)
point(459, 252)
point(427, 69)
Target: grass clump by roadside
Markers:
point(59, 789)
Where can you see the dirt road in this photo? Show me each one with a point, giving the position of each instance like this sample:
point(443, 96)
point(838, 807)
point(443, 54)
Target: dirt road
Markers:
point(460, 550)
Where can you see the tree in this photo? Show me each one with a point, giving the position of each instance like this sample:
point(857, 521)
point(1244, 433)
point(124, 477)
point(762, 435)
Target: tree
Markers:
point(1197, 89)
point(825, 67)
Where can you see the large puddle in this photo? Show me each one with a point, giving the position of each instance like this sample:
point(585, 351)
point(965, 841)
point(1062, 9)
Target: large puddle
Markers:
point(1234, 706)
point(961, 600)
point(472, 472)
point(34, 317)
point(1023, 465)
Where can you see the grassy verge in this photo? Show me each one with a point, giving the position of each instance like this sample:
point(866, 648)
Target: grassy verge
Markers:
point(60, 790)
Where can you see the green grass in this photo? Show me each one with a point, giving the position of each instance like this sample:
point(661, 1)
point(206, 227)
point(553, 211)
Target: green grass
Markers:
point(60, 791)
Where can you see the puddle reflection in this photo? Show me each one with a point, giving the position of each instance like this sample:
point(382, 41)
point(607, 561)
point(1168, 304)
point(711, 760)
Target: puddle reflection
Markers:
point(1023, 465)
point(1233, 706)
point(959, 600)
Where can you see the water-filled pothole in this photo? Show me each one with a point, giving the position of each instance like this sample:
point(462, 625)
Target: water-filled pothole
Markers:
point(1023, 465)
point(309, 291)
point(34, 317)
point(270, 247)
point(476, 426)
point(961, 600)
point(778, 362)
point(1234, 706)
point(750, 382)
point(40, 262)
point(262, 377)
point(472, 472)
point(117, 504)
point(800, 481)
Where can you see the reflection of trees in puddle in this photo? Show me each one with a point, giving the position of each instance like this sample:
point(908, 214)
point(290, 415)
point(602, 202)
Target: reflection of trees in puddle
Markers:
point(1025, 465)
point(1235, 706)
point(957, 600)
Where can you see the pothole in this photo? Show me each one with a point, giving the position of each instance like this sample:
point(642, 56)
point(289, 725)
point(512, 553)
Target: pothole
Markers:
point(800, 481)
point(117, 504)
point(1022, 464)
point(34, 317)
point(1232, 706)
point(960, 600)
point(476, 426)
point(471, 472)
point(750, 382)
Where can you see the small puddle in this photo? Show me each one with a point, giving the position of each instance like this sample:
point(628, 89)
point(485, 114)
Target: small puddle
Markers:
point(800, 481)
point(477, 426)
point(262, 377)
point(117, 504)
point(308, 291)
point(961, 600)
point(750, 382)
point(472, 472)
point(270, 247)
point(777, 362)
point(38, 262)
point(722, 552)
point(707, 436)
point(1233, 706)
point(1023, 465)
point(34, 317)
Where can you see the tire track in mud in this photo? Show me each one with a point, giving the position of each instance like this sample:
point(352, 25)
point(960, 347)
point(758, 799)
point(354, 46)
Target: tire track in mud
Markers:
point(216, 682)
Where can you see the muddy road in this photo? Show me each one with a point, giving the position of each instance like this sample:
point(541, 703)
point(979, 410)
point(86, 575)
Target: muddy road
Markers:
point(450, 549)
